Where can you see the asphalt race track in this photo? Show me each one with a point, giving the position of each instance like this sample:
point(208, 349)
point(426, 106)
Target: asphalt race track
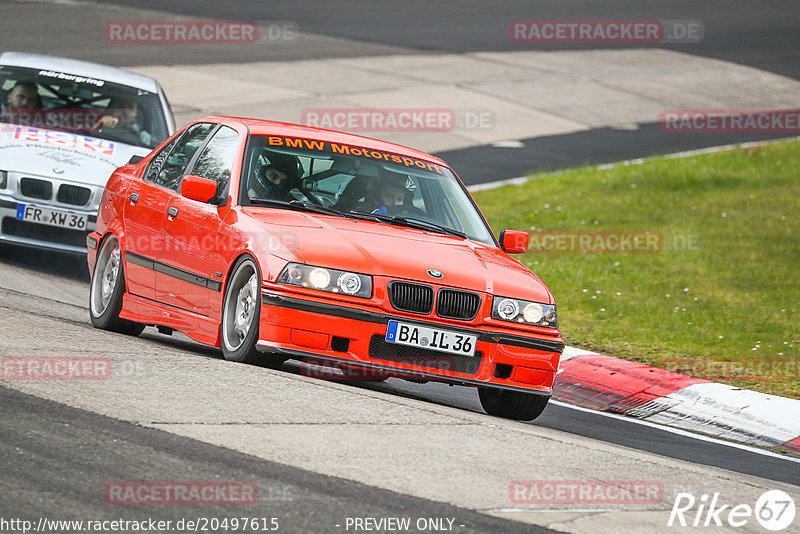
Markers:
point(300, 500)
point(321, 452)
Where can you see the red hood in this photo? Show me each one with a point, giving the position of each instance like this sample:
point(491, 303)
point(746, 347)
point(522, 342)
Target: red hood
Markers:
point(397, 252)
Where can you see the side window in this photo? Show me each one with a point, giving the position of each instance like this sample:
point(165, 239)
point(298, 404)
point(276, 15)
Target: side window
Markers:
point(158, 161)
point(171, 171)
point(217, 159)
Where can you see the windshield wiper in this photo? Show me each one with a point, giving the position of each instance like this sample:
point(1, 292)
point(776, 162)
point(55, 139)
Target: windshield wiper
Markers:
point(410, 222)
point(298, 205)
point(316, 208)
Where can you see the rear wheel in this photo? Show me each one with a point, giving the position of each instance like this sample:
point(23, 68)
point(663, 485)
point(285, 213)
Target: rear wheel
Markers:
point(107, 287)
point(512, 404)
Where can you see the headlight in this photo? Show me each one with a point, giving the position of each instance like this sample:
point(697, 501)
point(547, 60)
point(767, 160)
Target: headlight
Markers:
point(3, 179)
point(524, 312)
point(319, 278)
point(323, 279)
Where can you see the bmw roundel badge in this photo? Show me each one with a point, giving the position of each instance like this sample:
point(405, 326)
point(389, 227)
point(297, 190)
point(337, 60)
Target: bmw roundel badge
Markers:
point(434, 273)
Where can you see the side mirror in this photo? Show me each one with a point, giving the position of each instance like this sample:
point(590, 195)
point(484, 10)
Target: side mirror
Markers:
point(136, 158)
point(197, 188)
point(514, 241)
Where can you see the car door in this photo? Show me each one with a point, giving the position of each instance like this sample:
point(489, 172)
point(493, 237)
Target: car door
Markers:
point(191, 229)
point(143, 215)
point(147, 245)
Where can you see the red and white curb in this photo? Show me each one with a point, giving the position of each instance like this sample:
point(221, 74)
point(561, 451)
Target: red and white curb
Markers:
point(614, 385)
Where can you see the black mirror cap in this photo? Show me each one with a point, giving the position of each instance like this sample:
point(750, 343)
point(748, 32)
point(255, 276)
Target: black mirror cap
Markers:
point(136, 158)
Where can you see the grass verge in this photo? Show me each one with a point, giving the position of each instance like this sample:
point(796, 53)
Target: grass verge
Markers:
point(717, 298)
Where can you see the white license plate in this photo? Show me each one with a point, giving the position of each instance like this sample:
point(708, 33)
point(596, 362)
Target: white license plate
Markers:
point(431, 338)
point(51, 217)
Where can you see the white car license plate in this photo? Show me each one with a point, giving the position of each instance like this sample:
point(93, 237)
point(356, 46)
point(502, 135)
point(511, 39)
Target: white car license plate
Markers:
point(51, 217)
point(431, 338)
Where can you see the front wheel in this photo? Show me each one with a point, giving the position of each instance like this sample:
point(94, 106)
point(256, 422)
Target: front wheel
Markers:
point(241, 311)
point(107, 287)
point(512, 404)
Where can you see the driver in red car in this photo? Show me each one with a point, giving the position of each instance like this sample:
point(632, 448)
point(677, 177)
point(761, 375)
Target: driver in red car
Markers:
point(388, 193)
point(273, 179)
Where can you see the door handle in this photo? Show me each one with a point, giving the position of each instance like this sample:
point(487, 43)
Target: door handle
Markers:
point(172, 212)
point(134, 197)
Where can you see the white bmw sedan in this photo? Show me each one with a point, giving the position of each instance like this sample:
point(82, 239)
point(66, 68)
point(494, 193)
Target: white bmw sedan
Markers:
point(65, 126)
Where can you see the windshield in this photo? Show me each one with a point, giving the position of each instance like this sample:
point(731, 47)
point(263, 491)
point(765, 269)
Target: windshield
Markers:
point(53, 100)
point(355, 180)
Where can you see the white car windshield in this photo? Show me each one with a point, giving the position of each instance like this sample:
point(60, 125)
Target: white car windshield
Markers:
point(52, 100)
point(352, 179)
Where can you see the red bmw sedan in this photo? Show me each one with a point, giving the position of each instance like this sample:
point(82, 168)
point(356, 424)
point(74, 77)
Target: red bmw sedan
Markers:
point(276, 241)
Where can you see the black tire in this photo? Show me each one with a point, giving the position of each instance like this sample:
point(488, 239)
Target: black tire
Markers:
point(241, 312)
point(512, 404)
point(106, 289)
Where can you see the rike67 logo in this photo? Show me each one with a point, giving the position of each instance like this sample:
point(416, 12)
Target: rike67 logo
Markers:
point(774, 510)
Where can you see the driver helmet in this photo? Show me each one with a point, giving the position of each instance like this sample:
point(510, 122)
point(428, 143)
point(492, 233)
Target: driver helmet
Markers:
point(286, 164)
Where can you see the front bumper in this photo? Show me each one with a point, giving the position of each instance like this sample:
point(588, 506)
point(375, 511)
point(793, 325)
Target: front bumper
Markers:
point(354, 336)
point(43, 236)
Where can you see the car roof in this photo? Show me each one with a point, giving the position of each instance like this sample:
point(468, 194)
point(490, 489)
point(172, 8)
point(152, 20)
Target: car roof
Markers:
point(81, 68)
point(265, 127)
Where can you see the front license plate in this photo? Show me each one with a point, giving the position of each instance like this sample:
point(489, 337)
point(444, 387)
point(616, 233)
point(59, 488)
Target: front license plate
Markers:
point(51, 217)
point(431, 338)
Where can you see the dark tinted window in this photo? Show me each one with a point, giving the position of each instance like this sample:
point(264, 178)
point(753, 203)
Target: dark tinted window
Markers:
point(217, 159)
point(172, 170)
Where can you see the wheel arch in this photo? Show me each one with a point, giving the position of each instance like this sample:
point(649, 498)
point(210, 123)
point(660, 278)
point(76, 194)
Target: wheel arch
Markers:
point(229, 272)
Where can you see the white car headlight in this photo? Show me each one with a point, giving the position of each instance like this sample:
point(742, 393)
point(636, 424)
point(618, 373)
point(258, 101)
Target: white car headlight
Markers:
point(324, 279)
point(524, 312)
point(319, 278)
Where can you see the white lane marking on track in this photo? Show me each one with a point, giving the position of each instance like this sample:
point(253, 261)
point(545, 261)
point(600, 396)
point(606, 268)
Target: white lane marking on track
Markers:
point(679, 432)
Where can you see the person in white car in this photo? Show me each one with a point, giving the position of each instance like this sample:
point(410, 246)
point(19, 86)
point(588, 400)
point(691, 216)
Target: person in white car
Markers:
point(24, 95)
point(122, 113)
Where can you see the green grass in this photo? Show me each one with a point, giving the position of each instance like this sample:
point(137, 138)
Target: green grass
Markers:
point(720, 301)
